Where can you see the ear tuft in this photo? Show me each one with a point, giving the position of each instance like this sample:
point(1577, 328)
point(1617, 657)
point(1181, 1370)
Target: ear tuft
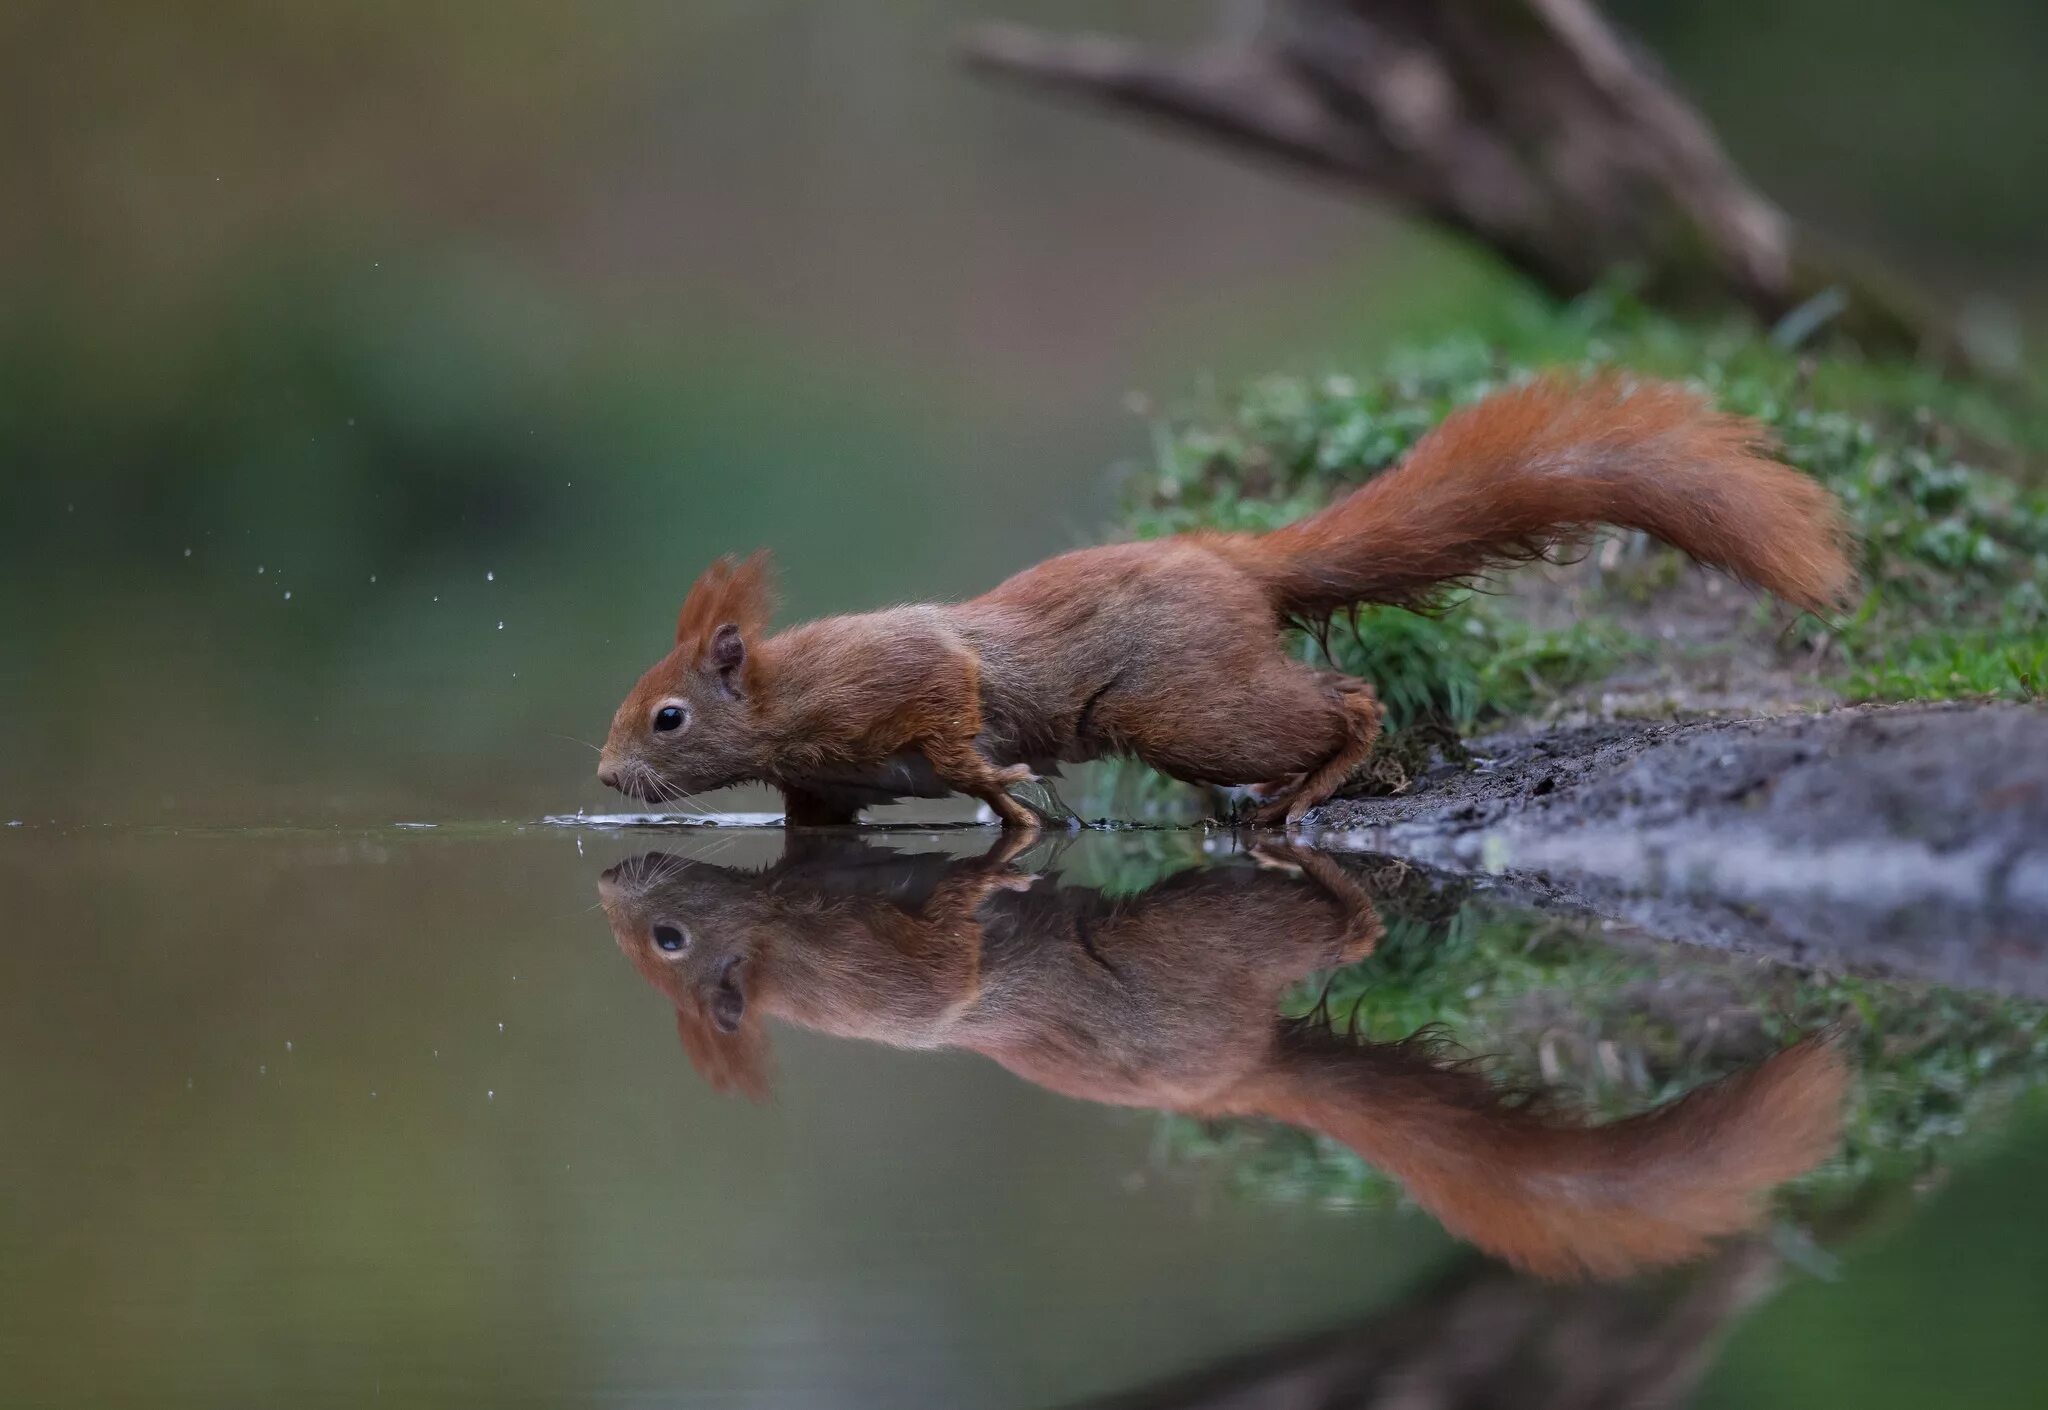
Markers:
point(739, 591)
point(731, 1062)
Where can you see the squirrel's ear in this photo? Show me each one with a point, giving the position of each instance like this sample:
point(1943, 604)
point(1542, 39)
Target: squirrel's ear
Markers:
point(728, 649)
point(705, 597)
point(730, 1061)
point(739, 591)
point(728, 1006)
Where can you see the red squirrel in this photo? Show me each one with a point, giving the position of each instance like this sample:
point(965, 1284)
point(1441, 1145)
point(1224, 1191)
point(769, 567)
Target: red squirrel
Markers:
point(1174, 650)
point(1171, 999)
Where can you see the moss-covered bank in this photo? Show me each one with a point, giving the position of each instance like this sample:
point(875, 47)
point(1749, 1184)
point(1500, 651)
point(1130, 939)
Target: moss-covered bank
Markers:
point(1941, 482)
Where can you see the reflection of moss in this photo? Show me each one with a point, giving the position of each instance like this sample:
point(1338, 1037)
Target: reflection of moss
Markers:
point(1609, 1030)
point(1953, 556)
point(1126, 863)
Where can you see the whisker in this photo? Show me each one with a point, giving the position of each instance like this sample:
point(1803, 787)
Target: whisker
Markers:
point(689, 804)
point(718, 848)
point(667, 866)
point(667, 795)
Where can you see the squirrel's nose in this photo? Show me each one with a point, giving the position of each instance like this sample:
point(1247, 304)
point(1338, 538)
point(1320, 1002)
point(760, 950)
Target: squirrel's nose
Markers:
point(608, 775)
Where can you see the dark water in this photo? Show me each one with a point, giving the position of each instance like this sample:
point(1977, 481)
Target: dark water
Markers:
point(390, 1116)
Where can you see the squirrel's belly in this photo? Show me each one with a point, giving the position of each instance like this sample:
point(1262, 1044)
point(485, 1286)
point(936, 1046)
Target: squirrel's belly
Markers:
point(903, 775)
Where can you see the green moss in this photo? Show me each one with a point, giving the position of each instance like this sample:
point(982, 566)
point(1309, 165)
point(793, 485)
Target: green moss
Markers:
point(1945, 663)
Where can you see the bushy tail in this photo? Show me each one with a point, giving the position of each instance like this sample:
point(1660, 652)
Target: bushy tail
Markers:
point(1558, 1199)
point(1534, 467)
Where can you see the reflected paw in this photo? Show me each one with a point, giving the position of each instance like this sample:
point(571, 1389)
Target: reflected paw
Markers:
point(1275, 857)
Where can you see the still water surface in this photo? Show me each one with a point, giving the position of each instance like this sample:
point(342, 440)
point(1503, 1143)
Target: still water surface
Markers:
point(393, 1116)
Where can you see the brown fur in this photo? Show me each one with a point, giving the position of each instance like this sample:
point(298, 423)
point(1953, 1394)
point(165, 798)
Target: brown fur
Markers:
point(1170, 999)
point(1173, 651)
point(1567, 1201)
point(1536, 466)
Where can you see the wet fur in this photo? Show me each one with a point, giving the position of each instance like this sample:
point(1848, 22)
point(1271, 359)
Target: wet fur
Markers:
point(1171, 999)
point(1174, 651)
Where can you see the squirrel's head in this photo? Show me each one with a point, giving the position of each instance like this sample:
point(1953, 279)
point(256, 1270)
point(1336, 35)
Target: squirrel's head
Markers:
point(689, 724)
point(691, 931)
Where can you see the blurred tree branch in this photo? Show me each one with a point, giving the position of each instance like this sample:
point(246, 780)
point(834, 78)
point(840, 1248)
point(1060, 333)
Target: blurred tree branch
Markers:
point(1484, 1337)
point(1531, 126)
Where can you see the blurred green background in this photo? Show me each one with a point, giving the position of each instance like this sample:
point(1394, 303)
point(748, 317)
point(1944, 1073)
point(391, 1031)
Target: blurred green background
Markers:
point(448, 315)
point(374, 377)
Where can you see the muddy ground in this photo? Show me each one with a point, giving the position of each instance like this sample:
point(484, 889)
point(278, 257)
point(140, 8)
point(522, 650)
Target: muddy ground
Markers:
point(1911, 838)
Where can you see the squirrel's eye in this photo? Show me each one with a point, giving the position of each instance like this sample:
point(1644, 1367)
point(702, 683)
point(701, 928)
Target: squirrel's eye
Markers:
point(671, 938)
point(668, 717)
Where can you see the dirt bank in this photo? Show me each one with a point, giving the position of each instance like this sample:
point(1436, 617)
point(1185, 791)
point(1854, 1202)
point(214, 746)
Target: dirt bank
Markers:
point(1913, 838)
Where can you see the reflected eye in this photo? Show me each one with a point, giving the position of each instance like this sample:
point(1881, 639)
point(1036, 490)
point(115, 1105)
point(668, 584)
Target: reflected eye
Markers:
point(668, 717)
point(671, 938)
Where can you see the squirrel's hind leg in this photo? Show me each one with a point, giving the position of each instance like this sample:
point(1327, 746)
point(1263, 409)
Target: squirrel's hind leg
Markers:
point(1363, 928)
point(1361, 732)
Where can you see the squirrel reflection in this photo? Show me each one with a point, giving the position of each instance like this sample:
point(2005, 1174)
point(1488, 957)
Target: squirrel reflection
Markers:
point(1171, 999)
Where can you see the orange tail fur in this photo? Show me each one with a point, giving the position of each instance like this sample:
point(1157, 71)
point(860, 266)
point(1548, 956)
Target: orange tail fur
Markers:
point(1539, 465)
point(1563, 1200)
